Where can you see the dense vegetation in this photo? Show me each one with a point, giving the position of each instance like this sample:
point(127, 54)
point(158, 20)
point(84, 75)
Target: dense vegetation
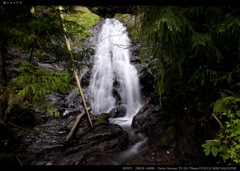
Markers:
point(30, 35)
point(192, 52)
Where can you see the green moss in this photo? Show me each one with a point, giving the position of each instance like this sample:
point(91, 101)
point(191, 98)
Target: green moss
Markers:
point(85, 18)
point(168, 137)
point(125, 18)
point(132, 22)
point(95, 130)
point(102, 120)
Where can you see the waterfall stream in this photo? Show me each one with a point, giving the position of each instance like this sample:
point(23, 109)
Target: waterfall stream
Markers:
point(114, 84)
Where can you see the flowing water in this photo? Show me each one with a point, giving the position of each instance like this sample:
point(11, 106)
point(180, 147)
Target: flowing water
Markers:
point(114, 83)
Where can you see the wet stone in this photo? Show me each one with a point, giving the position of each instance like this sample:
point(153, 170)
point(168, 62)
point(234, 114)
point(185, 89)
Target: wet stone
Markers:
point(45, 146)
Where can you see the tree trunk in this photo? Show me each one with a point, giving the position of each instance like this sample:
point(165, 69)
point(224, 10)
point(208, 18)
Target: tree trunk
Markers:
point(30, 56)
point(75, 71)
point(3, 80)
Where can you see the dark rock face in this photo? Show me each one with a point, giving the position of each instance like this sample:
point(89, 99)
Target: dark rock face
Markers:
point(45, 145)
point(109, 11)
point(167, 133)
point(157, 123)
point(148, 121)
point(147, 82)
point(119, 111)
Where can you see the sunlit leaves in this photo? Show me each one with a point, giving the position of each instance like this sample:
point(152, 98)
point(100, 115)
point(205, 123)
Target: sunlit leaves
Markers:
point(211, 147)
point(84, 20)
point(228, 147)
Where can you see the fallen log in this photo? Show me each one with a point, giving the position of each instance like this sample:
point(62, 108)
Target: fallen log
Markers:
point(78, 118)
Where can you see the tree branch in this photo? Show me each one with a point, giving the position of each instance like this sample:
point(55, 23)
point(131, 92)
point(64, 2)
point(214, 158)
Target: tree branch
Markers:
point(78, 118)
point(219, 122)
point(75, 71)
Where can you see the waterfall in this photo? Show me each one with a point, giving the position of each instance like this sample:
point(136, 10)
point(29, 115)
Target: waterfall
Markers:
point(113, 72)
point(114, 84)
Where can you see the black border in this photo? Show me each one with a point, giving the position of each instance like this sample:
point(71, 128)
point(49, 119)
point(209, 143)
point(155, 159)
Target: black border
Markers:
point(108, 3)
point(125, 168)
point(119, 2)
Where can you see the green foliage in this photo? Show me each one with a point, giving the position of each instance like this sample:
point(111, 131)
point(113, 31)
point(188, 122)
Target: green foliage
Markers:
point(85, 20)
point(162, 31)
point(8, 95)
point(227, 145)
point(193, 54)
point(211, 147)
point(28, 30)
point(188, 45)
point(41, 32)
point(80, 58)
point(36, 82)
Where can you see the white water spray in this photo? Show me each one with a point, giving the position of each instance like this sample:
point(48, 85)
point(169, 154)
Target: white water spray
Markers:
point(112, 66)
point(114, 82)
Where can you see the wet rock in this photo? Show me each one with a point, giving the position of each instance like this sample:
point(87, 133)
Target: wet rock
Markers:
point(119, 111)
point(86, 78)
point(147, 82)
point(12, 65)
point(135, 51)
point(153, 121)
point(122, 110)
point(53, 67)
point(147, 117)
point(46, 145)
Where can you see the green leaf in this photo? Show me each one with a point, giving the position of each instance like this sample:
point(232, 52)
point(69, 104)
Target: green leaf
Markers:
point(214, 151)
point(5, 142)
point(207, 151)
point(205, 145)
point(238, 113)
point(213, 143)
point(226, 156)
point(220, 107)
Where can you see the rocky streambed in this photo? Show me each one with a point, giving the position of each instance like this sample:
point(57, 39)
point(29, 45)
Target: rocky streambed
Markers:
point(45, 144)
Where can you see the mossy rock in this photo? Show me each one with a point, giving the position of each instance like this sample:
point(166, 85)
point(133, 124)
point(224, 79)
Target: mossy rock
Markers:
point(168, 138)
point(131, 22)
point(98, 122)
point(101, 120)
point(125, 18)
point(85, 18)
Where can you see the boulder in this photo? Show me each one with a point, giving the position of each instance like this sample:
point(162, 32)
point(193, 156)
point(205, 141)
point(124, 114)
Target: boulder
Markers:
point(154, 122)
point(46, 145)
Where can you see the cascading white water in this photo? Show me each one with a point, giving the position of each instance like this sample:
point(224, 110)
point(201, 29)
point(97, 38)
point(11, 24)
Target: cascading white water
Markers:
point(113, 72)
point(111, 64)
